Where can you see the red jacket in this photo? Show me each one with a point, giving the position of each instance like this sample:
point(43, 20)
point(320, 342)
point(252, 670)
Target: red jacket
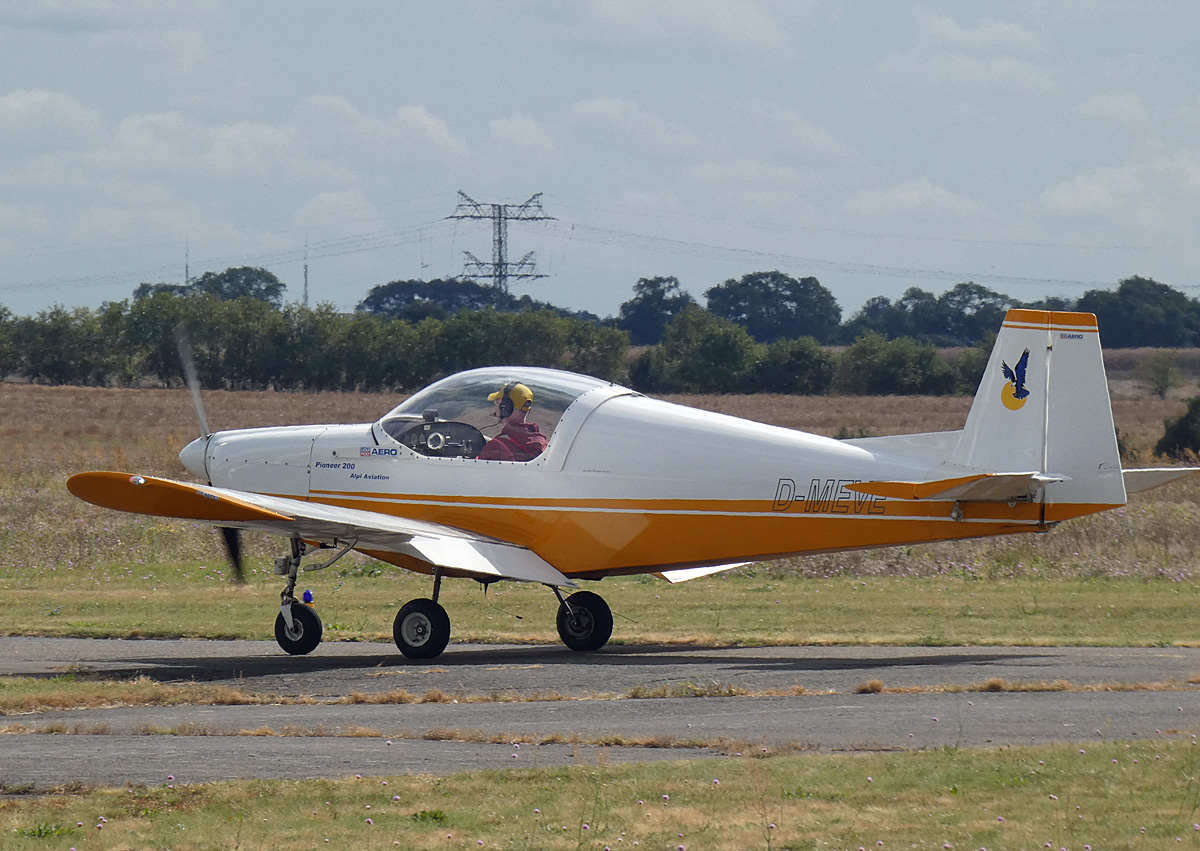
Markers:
point(515, 442)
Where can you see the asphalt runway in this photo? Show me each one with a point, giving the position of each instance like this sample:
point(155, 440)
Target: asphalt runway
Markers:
point(593, 703)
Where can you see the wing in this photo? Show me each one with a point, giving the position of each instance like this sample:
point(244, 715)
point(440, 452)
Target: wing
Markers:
point(1008, 373)
point(461, 552)
point(1022, 365)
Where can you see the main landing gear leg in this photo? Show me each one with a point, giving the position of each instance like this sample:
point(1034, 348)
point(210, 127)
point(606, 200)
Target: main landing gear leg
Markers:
point(298, 628)
point(585, 621)
point(422, 627)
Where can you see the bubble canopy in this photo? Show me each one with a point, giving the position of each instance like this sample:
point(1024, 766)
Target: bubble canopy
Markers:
point(463, 397)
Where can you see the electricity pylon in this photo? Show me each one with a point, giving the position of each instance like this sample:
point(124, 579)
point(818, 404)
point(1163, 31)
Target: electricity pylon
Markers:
point(500, 270)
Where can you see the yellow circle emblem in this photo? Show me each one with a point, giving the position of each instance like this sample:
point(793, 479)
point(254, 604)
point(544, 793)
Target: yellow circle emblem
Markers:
point(1009, 398)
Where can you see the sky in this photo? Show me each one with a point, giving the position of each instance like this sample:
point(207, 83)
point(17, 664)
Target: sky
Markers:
point(1038, 148)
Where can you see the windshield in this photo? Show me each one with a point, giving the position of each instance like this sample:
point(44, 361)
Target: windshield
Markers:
point(464, 398)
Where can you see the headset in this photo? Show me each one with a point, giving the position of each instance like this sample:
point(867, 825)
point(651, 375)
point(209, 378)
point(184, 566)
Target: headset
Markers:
point(506, 404)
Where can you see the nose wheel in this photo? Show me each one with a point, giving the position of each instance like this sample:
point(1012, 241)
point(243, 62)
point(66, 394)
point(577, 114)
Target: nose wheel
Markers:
point(303, 634)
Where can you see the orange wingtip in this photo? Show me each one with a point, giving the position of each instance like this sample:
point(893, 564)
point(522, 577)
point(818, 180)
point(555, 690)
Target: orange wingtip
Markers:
point(164, 498)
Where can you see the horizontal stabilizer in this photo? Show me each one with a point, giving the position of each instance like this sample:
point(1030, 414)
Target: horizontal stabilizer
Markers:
point(685, 573)
point(1152, 477)
point(983, 487)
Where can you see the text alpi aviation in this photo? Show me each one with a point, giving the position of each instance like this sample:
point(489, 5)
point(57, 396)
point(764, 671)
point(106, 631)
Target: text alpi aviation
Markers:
point(589, 479)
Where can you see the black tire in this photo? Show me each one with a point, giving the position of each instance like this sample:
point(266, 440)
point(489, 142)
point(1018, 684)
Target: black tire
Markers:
point(588, 624)
point(306, 633)
point(421, 629)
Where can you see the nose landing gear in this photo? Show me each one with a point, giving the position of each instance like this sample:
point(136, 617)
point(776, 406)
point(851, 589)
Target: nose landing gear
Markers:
point(298, 627)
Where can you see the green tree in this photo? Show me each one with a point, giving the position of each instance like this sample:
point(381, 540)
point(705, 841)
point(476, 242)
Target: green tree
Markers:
point(961, 316)
point(1159, 372)
point(702, 353)
point(315, 358)
point(773, 306)
point(876, 366)
point(970, 311)
point(253, 340)
point(61, 347)
point(1181, 435)
point(151, 324)
point(596, 350)
point(441, 298)
point(8, 353)
point(801, 366)
point(234, 283)
point(1143, 312)
point(655, 302)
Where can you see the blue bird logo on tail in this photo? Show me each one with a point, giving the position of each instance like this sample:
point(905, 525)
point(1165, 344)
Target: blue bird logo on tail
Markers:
point(1015, 392)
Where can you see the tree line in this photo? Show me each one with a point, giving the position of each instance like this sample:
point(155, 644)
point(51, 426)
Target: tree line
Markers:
point(772, 306)
point(249, 344)
point(764, 332)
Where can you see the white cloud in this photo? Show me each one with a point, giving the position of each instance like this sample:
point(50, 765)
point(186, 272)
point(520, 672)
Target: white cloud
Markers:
point(924, 70)
point(785, 133)
point(1159, 195)
point(174, 33)
point(332, 124)
point(624, 119)
point(740, 26)
point(41, 121)
point(350, 208)
point(247, 149)
point(918, 197)
point(522, 133)
point(73, 16)
point(948, 55)
point(985, 34)
point(1121, 107)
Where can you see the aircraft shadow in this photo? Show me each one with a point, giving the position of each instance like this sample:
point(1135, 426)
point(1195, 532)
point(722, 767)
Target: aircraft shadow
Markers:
point(694, 662)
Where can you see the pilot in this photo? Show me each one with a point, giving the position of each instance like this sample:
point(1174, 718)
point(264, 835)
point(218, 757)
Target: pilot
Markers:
point(518, 440)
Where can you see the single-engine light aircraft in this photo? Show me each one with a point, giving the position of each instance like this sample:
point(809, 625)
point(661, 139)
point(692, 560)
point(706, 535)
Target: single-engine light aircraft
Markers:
point(626, 484)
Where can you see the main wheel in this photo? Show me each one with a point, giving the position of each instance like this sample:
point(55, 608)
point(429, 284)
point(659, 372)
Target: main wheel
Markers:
point(306, 631)
point(421, 629)
point(587, 624)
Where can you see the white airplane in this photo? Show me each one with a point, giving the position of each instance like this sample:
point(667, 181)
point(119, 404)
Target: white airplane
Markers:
point(628, 484)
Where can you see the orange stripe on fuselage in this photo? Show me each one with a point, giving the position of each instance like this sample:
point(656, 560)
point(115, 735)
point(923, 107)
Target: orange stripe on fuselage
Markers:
point(616, 535)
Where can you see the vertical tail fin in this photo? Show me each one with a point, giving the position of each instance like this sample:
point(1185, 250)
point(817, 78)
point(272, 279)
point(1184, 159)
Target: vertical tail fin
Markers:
point(1043, 406)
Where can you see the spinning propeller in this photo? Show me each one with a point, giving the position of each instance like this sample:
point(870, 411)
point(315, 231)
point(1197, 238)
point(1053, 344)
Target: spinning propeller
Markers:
point(232, 538)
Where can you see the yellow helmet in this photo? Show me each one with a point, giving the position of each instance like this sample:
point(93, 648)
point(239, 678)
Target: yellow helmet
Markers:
point(512, 396)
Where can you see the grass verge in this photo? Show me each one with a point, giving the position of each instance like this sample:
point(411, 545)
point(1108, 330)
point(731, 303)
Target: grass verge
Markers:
point(1107, 795)
point(744, 609)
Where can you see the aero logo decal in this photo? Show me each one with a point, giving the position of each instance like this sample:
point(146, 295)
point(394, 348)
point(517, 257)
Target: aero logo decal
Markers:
point(1015, 392)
